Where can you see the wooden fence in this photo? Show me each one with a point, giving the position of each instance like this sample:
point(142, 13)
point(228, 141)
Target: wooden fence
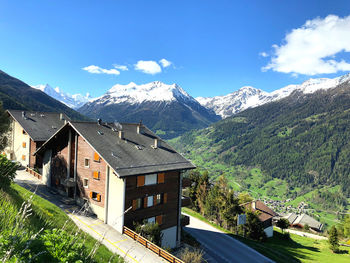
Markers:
point(143, 241)
point(31, 171)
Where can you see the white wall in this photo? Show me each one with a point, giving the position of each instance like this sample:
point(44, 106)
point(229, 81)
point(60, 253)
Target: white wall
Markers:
point(169, 237)
point(18, 149)
point(269, 231)
point(116, 193)
point(46, 177)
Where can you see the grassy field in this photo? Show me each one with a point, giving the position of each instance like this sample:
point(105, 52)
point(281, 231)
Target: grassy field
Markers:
point(297, 249)
point(49, 216)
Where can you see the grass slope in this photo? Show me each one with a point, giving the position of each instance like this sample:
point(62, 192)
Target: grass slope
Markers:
point(49, 216)
point(297, 249)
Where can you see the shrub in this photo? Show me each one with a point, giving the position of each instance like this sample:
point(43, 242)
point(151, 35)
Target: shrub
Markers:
point(306, 227)
point(7, 171)
point(192, 256)
point(333, 239)
point(283, 224)
point(150, 231)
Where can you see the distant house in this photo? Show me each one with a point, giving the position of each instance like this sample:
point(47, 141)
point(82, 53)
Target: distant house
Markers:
point(29, 130)
point(265, 215)
point(302, 220)
point(124, 172)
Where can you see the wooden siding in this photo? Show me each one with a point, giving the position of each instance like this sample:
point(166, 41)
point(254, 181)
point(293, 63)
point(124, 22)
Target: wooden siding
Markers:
point(35, 161)
point(169, 210)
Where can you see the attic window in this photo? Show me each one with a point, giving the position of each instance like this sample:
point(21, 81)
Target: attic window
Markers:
point(138, 147)
point(96, 157)
point(114, 155)
point(23, 132)
point(100, 133)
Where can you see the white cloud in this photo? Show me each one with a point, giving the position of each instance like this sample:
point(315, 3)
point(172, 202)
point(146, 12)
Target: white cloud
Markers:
point(263, 54)
point(165, 63)
point(97, 70)
point(311, 49)
point(148, 67)
point(121, 67)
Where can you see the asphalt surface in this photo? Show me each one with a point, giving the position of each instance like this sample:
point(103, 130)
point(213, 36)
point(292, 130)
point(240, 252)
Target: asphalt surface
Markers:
point(221, 247)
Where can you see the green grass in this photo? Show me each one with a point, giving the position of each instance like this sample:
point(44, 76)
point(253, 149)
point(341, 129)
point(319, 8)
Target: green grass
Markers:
point(297, 249)
point(49, 216)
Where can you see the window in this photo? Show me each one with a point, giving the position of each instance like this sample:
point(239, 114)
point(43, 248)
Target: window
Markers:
point(159, 219)
point(157, 199)
point(140, 180)
point(150, 201)
point(23, 132)
point(96, 175)
point(151, 220)
point(151, 179)
point(24, 144)
point(96, 157)
point(87, 162)
point(137, 203)
point(161, 178)
point(86, 183)
point(23, 157)
point(95, 196)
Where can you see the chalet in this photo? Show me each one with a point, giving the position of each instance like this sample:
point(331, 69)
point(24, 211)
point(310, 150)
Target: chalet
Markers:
point(124, 172)
point(265, 215)
point(29, 130)
point(299, 221)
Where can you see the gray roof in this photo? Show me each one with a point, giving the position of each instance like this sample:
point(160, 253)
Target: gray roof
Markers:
point(40, 126)
point(132, 155)
point(304, 219)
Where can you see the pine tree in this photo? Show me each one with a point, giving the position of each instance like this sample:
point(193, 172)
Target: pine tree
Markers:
point(4, 127)
point(333, 239)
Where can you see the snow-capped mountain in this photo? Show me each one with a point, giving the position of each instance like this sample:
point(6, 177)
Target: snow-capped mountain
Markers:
point(249, 97)
point(166, 109)
point(73, 101)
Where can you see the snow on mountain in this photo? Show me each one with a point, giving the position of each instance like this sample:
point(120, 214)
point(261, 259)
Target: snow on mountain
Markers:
point(73, 101)
point(134, 94)
point(249, 97)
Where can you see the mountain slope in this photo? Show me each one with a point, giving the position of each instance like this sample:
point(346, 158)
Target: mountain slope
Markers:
point(249, 97)
point(16, 94)
point(166, 109)
point(301, 142)
point(74, 101)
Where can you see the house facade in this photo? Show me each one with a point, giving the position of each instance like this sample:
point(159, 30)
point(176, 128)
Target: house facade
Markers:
point(124, 172)
point(28, 131)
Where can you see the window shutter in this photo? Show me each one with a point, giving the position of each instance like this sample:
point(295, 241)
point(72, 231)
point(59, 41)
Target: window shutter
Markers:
point(23, 157)
point(91, 195)
point(96, 157)
point(154, 199)
point(96, 174)
point(134, 204)
point(145, 202)
point(165, 198)
point(24, 144)
point(98, 197)
point(161, 178)
point(140, 180)
point(159, 219)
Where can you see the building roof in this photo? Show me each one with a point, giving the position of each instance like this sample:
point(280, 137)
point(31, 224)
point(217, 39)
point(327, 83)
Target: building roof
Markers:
point(40, 126)
point(304, 219)
point(134, 154)
point(264, 212)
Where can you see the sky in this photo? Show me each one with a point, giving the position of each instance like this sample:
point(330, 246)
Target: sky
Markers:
point(209, 48)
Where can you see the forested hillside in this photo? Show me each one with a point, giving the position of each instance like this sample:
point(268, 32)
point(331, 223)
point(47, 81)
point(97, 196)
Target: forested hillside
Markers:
point(17, 95)
point(299, 143)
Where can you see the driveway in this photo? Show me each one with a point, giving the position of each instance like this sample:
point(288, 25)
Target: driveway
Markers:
point(221, 247)
point(124, 246)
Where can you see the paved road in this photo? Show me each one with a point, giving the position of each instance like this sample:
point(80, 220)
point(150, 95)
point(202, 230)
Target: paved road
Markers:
point(127, 248)
point(221, 247)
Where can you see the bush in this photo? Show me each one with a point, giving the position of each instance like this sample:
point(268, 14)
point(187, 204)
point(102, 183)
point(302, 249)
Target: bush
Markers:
point(150, 231)
point(283, 224)
point(192, 256)
point(7, 171)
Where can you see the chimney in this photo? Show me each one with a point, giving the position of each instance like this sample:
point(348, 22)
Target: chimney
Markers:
point(99, 121)
point(121, 135)
point(139, 129)
point(254, 205)
point(61, 117)
point(156, 143)
point(24, 115)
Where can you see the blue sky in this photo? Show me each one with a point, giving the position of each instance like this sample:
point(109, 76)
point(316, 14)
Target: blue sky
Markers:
point(213, 47)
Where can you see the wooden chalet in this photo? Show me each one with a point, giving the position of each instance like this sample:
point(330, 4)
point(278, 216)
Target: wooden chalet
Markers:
point(124, 172)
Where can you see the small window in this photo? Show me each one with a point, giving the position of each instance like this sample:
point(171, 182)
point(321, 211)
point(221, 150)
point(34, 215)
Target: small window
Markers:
point(140, 180)
point(137, 204)
point(86, 183)
point(23, 157)
point(24, 132)
point(158, 199)
point(96, 175)
point(151, 220)
point(87, 162)
point(150, 201)
point(96, 157)
point(151, 179)
point(161, 178)
point(95, 196)
point(24, 144)
point(159, 219)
